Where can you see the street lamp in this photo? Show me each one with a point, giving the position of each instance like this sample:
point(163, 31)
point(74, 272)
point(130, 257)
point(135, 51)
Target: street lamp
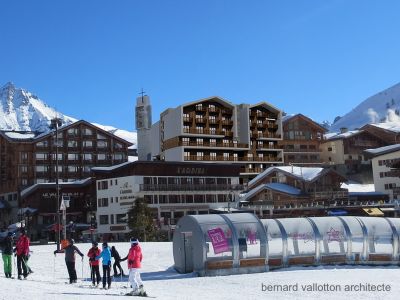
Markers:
point(55, 123)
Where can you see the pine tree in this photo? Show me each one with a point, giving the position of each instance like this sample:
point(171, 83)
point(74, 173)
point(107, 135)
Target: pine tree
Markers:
point(140, 221)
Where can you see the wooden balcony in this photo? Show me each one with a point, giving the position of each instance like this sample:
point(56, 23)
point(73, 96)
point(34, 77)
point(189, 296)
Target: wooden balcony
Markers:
point(208, 144)
point(203, 132)
point(265, 135)
point(190, 187)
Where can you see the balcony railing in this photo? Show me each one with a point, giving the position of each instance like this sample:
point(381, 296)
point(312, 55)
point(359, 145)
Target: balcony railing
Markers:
point(265, 135)
point(191, 187)
point(203, 131)
point(208, 144)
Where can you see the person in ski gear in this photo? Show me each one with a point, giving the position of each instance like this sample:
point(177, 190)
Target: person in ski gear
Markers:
point(134, 264)
point(7, 254)
point(22, 252)
point(105, 255)
point(70, 251)
point(94, 264)
point(117, 260)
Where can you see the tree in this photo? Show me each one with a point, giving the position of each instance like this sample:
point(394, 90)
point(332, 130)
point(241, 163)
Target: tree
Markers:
point(140, 221)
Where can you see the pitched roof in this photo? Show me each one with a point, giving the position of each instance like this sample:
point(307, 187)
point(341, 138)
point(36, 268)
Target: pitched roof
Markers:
point(278, 187)
point(302, 173)
point(370, 153)
point(307, 119)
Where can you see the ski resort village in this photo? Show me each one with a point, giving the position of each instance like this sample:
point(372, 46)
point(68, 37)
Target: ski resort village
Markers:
point(214, 200)
point(200, 150)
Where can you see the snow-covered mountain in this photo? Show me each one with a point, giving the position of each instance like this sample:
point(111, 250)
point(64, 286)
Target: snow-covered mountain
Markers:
point(20, 110)
point(382, 107)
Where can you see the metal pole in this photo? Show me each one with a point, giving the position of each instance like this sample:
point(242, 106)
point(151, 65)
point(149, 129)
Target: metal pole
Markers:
point(54, 124)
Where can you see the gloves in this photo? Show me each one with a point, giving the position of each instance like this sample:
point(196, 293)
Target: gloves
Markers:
point(91, 259)
point(130, 262)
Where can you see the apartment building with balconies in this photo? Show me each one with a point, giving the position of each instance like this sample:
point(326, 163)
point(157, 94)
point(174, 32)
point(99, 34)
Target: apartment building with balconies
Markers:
point(28, 158)
point(301, 141)
point(213, 130)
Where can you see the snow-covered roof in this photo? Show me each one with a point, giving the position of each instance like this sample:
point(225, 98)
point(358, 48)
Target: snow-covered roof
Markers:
point(354, 187)
point(339, 135)
point(302, 173)
point(382, 150)
point(279, 187)
point(20, 135)
point(111, 168)
point(391, 126)
point(30, 189)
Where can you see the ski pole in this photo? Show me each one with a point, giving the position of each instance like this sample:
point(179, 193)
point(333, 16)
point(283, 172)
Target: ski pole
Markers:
point(54, 268)
point(82, 269)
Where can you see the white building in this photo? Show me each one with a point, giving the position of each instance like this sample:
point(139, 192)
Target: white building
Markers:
point(171, 189)
point(386, 179)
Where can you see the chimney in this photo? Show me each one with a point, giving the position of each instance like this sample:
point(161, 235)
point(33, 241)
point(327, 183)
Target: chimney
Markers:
point(343, 129)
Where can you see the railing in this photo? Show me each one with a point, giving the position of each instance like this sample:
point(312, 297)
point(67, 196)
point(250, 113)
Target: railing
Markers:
point(307, 150)
point(204, 131)
point(208, 144)
point(191, 187)
point(265, 135)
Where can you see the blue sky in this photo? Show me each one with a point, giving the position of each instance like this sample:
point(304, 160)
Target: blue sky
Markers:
point(89, 59)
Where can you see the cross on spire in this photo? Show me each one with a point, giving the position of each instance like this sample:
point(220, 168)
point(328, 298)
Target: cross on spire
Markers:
point(142, 92)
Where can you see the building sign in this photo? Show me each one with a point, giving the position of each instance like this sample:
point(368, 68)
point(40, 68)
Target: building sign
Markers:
point(218, 240)
point(118, 228)
point(191, 171)
point(126, 188)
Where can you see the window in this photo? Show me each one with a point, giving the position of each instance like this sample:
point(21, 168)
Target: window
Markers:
point(102, 185)
point(111, 219)
point(42, 144)
point(213, 142)
point(24, 182)
point(87, 156)
point(200, 155)
point(87, 144)
point(213, 156)
point(102, 144)
point(118, 146)
point(121, 218)
point(73, 156)
point(41, 169)
point(185, 141)
point(72, 144)
point(199, 142)
point(226, 156)
point(72, 131)
point(87, 131)
point(101, 137)
point(24, 155)
point(199, 129)
point(330, 149)
point(24, 169)
point(118, 156)
point(41, 156)
point(186, 129)
point(213, 130)
point(103, 219)
point(72, 169)
point(101, 157)
point(60, 156)
point(102, 202)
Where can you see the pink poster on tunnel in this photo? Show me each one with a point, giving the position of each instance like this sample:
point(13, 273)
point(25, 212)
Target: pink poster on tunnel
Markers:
point(218, 240)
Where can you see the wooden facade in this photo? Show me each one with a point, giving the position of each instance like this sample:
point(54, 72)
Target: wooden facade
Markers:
point(28, 158)
point(301, 140)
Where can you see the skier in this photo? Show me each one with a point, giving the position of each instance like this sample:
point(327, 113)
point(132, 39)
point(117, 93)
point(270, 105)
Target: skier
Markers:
point(94, 264)
point(117, 260)
point(22, 252)
point(7, 254)
point(134, 263)
point(70, 251)
point(105, 255)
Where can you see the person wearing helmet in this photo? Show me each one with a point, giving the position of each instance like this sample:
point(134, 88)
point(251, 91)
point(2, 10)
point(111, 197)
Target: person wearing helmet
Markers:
point(134, 264)
point(105, 255)
point(94, 264)
point(70, 251)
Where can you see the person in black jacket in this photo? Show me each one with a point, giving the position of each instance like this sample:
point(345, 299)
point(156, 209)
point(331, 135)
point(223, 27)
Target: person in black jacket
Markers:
point(70, 251)
point(7, 254)
point(117, 260)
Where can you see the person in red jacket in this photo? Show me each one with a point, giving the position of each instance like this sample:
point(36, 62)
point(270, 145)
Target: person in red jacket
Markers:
point(94, 264)
point(22, 252)
point(134, 264)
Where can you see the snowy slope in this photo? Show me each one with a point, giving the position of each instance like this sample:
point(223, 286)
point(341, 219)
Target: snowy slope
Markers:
point(160, 280)
point(381, 107)
point(20, 110)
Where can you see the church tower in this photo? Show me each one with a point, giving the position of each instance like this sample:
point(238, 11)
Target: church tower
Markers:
point(143, 126)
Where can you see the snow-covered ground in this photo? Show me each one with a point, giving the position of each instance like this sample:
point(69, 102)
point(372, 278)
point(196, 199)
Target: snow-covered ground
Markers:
point(161, 280)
